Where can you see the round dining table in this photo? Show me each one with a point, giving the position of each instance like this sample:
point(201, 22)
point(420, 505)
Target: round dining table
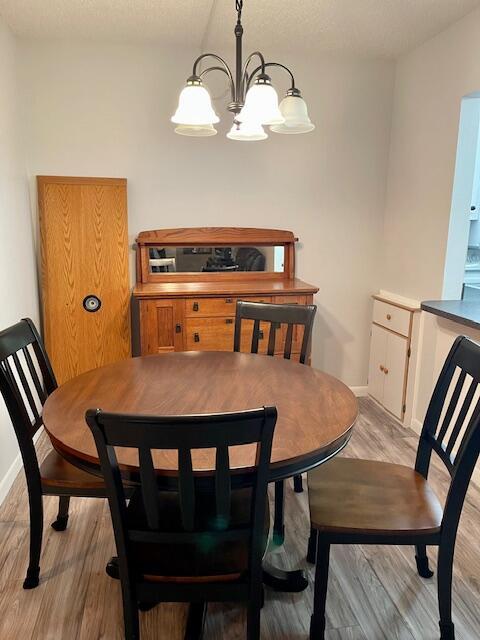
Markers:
point(316, 413)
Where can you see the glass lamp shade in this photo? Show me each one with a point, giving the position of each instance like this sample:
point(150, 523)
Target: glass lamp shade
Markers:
point(195, 106)
point(295, 113)
point(246, 131)
point(199, 131)
point(261, 104)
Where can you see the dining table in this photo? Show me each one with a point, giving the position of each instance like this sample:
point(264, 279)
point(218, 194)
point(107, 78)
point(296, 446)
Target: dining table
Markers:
point(316, 415)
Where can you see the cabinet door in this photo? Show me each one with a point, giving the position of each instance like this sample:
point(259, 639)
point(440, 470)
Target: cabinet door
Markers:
point(161, 326)
point(378, 355)
point(394, 374)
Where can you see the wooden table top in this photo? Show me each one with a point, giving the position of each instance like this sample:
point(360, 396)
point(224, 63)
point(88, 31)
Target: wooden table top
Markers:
point(316, 412)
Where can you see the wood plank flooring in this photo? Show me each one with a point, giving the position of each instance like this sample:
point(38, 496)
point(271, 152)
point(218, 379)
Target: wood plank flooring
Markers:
point(374, 592)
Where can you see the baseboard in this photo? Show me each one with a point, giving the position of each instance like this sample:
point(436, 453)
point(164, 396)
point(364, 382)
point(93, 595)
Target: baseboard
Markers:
point(16, 466)
point(416, 425)
point(360, 392)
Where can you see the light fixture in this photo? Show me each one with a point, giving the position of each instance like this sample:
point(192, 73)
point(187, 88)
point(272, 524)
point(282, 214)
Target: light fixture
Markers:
point(254, 101)
point(295, 113)
point(248, 131)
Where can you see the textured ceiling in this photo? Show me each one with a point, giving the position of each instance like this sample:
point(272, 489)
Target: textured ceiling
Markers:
point(365, 27)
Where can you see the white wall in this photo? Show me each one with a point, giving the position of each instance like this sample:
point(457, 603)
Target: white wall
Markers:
point(94, 109)
point(17, 264)
point(430, 84)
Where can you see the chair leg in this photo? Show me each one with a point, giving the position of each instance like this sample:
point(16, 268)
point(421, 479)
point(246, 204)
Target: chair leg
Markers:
point(36, 532)
point(444, 578)
point(297, 484)
point(196, 621)
point(61, 522)
point(312, 546)
point(422, 561)
point(278, 520)
point(130, 616)
point(317, 623)
point(253, 616)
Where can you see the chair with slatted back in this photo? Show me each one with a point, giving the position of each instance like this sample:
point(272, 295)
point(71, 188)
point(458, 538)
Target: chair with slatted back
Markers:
point(26, 379)
point(276, 315)
point(364, 502)
point(204, 540)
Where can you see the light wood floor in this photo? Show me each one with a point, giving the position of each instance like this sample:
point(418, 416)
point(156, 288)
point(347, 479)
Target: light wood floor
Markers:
point(374, 592)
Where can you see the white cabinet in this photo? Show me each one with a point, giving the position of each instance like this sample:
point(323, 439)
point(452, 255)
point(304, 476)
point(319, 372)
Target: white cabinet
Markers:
point(390, 350)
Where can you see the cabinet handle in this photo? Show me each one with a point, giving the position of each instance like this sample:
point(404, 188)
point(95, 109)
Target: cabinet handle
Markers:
point(260, 335)
point(229, 300)
point(385, 371)
point(196, 337)
point(178, 328)
point(229, 321)
point(389, 317)
point(195, 306)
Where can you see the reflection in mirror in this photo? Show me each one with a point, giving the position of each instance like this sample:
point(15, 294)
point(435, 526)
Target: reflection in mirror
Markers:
point(216, 259)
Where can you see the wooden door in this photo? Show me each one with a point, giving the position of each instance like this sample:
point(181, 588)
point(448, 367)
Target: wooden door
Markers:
point(394, 374)
point(378, 355)
point(161, 326)
point(84, 252)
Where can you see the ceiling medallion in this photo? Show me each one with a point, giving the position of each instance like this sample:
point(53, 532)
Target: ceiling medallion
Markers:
point(254, 101)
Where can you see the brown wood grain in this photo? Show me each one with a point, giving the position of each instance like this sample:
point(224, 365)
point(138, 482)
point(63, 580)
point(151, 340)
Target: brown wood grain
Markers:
point(315, 411)
point(204, 236)
point(241, 288)
point(84, 250)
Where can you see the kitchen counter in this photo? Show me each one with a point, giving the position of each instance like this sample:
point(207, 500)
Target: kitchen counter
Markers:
point(466, 312)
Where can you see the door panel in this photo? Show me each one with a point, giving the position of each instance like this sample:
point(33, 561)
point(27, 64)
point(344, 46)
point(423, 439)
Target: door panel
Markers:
point(395, 370)
point(378, 355)
point(84, 246)
point(161, 326)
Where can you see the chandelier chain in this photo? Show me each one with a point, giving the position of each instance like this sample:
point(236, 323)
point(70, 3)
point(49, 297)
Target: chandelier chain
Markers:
point(239, 7)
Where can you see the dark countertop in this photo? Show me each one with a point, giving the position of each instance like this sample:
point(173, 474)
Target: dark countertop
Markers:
point(466, 312)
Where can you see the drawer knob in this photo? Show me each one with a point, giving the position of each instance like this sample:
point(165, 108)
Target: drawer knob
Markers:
point(229, 321)
point(389, 317)
point(382, 368)
point(196, 337)
point(385, 371)
point(195, 306)
point(260, 335)
point(229, 300)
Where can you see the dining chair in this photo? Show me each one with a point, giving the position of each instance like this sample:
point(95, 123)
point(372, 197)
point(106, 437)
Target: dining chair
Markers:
point(202, 541)
point(276, 315)
point(26, 380)
point(365, 502)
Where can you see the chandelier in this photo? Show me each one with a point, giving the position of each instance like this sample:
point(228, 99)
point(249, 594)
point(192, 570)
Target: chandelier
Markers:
point(253, 100)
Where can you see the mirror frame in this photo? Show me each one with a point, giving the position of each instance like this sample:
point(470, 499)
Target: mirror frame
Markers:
point(213, 237)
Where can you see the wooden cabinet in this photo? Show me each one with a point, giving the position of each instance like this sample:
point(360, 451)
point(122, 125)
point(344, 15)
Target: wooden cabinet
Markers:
point(195, 311)
point(390, 350)
point(84, 272)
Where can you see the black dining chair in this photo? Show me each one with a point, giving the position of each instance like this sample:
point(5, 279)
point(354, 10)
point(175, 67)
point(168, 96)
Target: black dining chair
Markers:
point(26, 380)
point(365, 502)
point(202, 541)
point(270, 317)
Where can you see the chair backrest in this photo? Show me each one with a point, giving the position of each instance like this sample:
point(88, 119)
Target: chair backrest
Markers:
point(452, 424)
point(186, 434)
point(26, 379)
point(291, 315)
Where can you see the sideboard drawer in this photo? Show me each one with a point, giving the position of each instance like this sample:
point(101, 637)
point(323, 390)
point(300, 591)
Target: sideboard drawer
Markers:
point(392, 317)
point(207, 307)
point(209, 334)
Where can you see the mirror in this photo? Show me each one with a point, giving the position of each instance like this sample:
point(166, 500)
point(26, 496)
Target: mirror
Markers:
point(219, 259)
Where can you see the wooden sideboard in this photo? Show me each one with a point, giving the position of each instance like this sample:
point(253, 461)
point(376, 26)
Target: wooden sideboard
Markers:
point(195, 311)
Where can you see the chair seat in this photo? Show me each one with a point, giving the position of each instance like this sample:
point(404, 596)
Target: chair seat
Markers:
point(204, 561)
point(57, 473)
point(366, 497)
